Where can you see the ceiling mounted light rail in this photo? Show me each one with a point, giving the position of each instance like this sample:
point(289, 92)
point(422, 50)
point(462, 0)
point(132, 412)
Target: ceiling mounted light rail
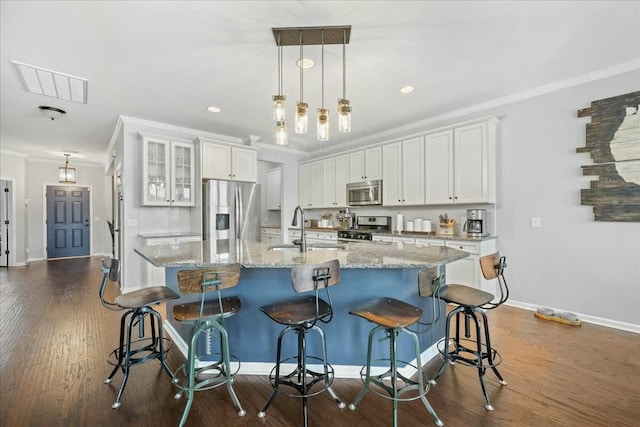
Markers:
point(307, 36)
point(66, 172)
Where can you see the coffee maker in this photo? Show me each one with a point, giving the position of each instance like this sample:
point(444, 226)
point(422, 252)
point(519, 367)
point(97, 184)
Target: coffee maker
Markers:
point(346, 218)
point(476, 224)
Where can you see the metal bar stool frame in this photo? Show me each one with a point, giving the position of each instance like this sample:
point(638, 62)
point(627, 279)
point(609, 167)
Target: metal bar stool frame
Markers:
point(393, 317)
point(207, 316)
point(137, 306)
point(471, 304)
point(301, 315)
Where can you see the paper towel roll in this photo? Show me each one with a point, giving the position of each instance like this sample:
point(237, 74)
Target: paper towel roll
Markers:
point(399, 222)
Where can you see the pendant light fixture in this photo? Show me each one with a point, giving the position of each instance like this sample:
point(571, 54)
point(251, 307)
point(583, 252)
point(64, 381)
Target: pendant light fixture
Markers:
point(301, 36)
point(344, 109)
point(302, 116)
point(279, 99)
point(323, 113)
point(67, 174)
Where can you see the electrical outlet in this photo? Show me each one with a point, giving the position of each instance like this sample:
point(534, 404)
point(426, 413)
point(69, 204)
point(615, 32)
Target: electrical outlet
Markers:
point(132, 223)
point(535, 222)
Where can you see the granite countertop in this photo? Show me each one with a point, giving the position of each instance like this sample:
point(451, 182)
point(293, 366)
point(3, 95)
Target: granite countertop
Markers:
point(211, 253)
point(463, 236)
point(269, 226)
point(327, 229)
point(168, 234)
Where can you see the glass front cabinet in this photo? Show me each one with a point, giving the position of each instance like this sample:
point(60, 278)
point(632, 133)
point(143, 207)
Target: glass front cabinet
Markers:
point(168, 172)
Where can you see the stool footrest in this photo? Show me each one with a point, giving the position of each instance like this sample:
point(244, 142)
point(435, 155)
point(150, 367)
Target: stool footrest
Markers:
point(209, 375)
point(382, 379)
point(150, 351)
point(294, 379)
point(488, 360)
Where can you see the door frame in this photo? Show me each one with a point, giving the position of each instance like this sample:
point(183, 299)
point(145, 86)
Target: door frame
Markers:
point(12, 223)
point(44, 216)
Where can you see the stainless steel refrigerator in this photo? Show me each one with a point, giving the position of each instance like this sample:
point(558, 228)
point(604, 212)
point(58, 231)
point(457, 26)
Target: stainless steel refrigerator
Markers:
point(231, 210)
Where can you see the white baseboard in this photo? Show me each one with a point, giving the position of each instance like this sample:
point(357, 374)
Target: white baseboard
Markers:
point(584, 317)
point(263, 368)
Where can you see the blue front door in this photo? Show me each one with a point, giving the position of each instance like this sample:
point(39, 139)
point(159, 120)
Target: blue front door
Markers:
point(67, 221)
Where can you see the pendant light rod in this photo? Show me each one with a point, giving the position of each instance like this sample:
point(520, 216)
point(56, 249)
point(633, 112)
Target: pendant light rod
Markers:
point(344, 66)
point(322, 103)
point(301, 69)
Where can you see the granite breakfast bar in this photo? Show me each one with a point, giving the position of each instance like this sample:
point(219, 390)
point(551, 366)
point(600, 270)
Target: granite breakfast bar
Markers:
point(367, 270)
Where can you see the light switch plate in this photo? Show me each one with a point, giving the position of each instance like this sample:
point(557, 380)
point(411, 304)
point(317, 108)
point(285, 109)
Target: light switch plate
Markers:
point(535, 222)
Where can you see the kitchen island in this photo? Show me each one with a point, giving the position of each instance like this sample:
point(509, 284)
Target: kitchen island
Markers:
point(368, 270)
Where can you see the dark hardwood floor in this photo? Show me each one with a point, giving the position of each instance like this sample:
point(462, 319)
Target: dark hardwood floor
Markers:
point(55, 336)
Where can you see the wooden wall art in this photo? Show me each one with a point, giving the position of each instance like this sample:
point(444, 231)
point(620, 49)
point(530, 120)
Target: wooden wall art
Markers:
point(613, 140)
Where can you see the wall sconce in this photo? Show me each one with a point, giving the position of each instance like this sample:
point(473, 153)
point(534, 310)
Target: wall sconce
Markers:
point(67, 174)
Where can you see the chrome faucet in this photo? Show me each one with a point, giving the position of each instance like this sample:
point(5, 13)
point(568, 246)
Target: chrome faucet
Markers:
point(294, 223)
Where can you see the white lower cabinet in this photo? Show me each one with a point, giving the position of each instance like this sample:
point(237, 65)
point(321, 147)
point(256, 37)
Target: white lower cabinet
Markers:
point(271, 235)
point(313, 236)
point(155, 275)
point(467, 270)
point(379, 238)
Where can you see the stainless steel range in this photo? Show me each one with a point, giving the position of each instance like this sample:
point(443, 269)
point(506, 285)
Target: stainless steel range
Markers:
point(364, 227)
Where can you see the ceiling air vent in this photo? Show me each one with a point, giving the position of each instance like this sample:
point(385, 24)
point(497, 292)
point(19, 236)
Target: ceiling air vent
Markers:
point(52, 83)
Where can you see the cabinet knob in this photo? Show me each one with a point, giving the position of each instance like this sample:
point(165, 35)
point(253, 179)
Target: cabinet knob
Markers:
point(449, 198)
point(456, 197)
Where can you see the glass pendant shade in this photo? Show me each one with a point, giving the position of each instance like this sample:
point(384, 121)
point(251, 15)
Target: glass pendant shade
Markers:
point(323, 124)
point(344, 116)
point(302, 117)
point(282, 137)
point(67, 174)
point(279, 108)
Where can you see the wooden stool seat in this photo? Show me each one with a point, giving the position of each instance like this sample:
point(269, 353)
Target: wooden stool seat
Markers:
point(190, 312)
point(146, 296)
point(389, 312)
point(465, 295)
point(297, 311)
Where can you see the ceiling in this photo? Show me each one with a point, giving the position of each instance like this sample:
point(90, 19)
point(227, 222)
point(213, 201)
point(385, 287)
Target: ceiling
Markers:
point(169, 61)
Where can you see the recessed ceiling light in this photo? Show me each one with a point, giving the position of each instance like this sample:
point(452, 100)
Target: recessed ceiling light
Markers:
point(306, 63)
point(407, 89)
point(214, 109)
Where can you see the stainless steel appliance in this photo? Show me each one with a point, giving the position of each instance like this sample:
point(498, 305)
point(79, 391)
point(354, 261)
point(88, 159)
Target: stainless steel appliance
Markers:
point(365, 226)
point(231, 210)
point(346, 219)
point(476, 224)
point(364, 193)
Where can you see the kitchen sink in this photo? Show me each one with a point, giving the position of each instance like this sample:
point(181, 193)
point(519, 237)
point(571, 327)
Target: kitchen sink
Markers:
point(310, 247)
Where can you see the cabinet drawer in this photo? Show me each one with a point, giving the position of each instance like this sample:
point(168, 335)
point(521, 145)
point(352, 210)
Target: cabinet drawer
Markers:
point(404, 239)
point(471, 248)
point(381, 238)
point(429, 242)
point(272, 231)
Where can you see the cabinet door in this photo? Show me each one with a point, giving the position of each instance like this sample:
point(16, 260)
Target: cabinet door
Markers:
point(216, 161)
point(156, 172)
point(412, 171)
point(244, 164)
point(356, 166)
point(342, 179)
point(464, 271)
point(273, 189)
point(304, 182)
point(373, 163)
point(392, 175)
point(182, 174)
point(439, 168)
point(315, 184)
point(470, 164)
point(329, 182)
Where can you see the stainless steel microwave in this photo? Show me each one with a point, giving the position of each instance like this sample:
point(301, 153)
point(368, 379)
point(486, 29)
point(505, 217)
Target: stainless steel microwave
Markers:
point(364, 193)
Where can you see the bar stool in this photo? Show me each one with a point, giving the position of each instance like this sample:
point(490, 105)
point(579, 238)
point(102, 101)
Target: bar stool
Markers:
point(474, 351)
point(392, 317)
point(198, 374)
point(138, 306)
point(300, 315)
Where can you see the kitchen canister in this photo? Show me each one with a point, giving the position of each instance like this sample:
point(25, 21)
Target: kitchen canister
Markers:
point(426, 225)
point(417, 224)
point(399, 222)
point(409, 225)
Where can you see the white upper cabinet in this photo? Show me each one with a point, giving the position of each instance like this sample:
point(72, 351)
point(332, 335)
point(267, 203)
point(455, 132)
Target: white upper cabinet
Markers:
point(273, 189)
point(335, 175)
point(460, 165)
point(310, 185)
point(403, 173)
point(220, 161)
point(168, 172)
point(365, 165)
